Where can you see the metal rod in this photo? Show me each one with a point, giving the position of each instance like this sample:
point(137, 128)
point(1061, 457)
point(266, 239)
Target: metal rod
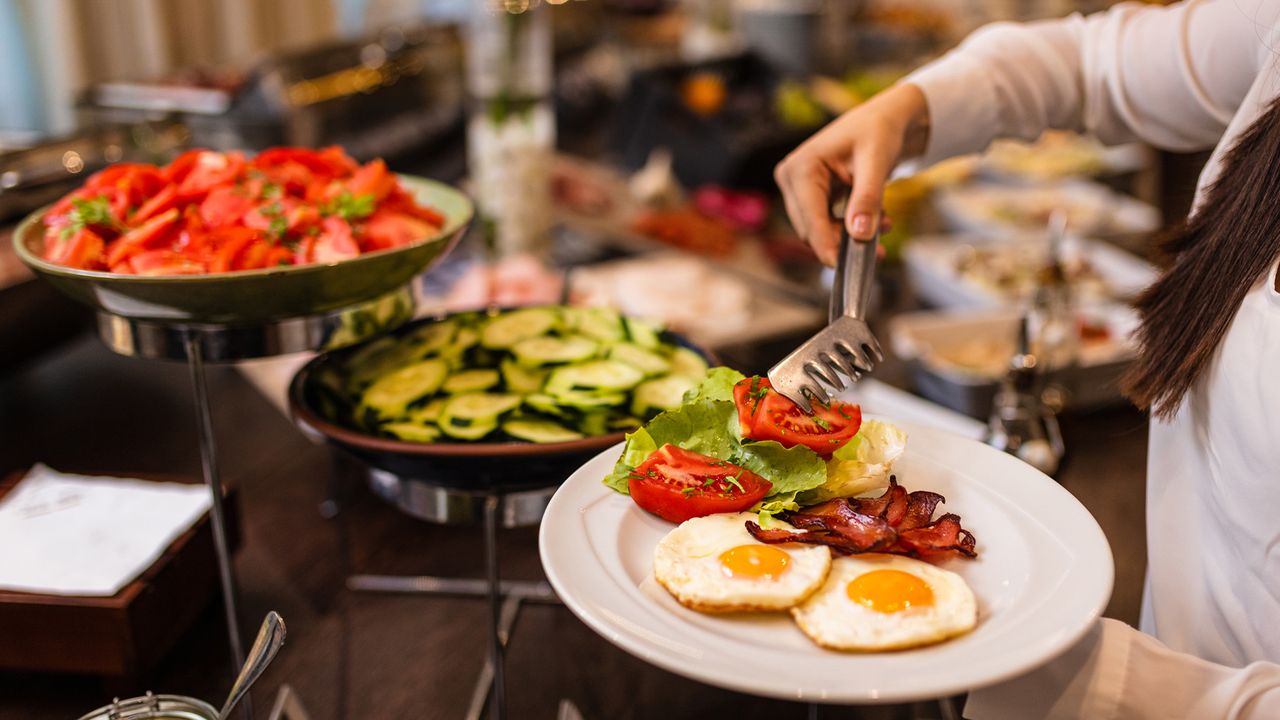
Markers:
point(217, 516)
point(498, 696)
point(812, 711)
point(484, 683)
point(527, 590)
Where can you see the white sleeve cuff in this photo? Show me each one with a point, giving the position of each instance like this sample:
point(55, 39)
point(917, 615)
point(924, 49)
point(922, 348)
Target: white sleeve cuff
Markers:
point(963, 113)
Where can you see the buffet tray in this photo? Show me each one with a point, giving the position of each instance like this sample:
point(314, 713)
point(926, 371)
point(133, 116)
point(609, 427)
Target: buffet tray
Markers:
point(124, 635)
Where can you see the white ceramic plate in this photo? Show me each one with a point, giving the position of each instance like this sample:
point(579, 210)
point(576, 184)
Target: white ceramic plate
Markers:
point(1043, 574)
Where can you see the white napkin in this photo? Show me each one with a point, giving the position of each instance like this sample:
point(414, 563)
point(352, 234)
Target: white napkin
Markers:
point(89, 536)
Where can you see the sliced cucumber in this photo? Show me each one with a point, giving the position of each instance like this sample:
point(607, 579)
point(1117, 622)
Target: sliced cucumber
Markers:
point(645, 334)
point(596, 376)
point(587, 400)
point(594, 423)
point(392, 394)
point(650, 363)
point(603, 324)
point(521, 379)
point(413, 432)
point(626, 422)
point(539, 431)
point(660, 394)
point(506, 330)
point(471, 381)
point(544, 403)
point(430, 338)
point(547, 350)
point(688, 363)
point(429, 413)
point(470, 417)
point(465, 339)
point(377, 359)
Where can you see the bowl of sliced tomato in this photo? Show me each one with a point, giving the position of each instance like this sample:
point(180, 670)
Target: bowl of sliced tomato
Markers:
point(220, 237)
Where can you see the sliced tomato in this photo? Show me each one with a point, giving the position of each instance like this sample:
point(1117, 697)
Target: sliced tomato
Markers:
point(164, 262)
point(766, 414)
point(225, 205)
point(385, 229)
point(677, 484)
point(374, 179)
point(148, 235)
point(229, 242)
point(402, 202)
point(209, 170)
point(83, 250)
point(335, 242)
point(328, 163)
point(164, 199)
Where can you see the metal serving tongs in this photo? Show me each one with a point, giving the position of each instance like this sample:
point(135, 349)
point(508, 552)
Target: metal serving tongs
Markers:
point(846, 346)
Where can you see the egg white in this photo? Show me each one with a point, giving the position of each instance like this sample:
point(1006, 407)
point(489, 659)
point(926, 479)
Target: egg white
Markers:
point(831, 619)
point(687, 563)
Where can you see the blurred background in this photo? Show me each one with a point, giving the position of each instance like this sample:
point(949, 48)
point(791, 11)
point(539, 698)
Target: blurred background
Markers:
point(620, 153)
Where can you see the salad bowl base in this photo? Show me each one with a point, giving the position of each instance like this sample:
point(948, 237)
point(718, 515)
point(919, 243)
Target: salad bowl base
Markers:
point(229, 342)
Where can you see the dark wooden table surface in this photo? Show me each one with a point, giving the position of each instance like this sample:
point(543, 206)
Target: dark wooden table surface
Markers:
point(369, 657)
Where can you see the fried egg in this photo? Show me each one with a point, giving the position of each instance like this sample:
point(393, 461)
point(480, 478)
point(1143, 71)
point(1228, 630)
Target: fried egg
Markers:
point(712, 564)
point(886, 602)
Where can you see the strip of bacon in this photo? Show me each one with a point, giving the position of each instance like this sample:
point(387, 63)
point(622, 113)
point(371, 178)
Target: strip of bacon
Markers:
point(896, 522)
point(938, 539)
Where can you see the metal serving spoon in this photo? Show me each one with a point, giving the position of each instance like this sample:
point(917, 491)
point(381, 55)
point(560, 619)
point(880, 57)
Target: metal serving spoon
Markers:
point(270, 638)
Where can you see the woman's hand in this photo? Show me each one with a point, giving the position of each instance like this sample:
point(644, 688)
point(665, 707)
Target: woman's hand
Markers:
point(858, 149)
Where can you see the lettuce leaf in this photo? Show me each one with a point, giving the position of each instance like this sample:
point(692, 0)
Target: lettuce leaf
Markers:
point(862, 464)
point(718, 385)
point(710, 427)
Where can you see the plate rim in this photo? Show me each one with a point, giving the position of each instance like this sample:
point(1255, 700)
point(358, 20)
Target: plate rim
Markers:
point(1049, 647)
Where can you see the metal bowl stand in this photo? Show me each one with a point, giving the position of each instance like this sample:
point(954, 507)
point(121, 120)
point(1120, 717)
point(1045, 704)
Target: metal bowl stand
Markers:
point(507, 508)
point(200, 343)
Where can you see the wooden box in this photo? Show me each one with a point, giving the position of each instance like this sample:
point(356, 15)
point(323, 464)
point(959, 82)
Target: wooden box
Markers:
point(120, 636)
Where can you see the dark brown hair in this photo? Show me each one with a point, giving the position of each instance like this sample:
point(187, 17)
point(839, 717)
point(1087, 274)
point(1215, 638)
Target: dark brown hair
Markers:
point(1215, 257)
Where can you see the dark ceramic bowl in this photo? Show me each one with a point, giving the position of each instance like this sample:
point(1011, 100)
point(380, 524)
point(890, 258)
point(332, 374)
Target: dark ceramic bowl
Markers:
point(477, 466)
point(251, 296)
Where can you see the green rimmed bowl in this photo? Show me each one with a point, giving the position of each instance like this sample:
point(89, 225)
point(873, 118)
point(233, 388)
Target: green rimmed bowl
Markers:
point(253, 296)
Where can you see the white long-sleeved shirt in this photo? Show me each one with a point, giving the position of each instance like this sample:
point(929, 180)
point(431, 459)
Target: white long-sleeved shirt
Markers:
point(1184, 77)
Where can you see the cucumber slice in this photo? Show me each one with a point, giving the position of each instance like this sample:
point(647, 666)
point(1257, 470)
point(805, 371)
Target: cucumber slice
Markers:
point(626, 422)
point(594, 423)
point(477, 407)
point(544, 403)
point(464, 429)
point(472, 416)
point(392, 394)
point(645, 334)
point(603, 324)
point(430, 338)
point(596, 376)
point(377, 359)
point(521, 379)
point(429, 413)
point(581, 400)
point(660, 394)
point(510, 328)
point(465, 339)
point(413, 432)
point(649, 363)
point(471, 381)
point(688, 363)
point(546, 350)
point(539, 431)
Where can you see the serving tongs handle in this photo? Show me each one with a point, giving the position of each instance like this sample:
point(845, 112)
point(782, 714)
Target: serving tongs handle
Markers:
point(855, 271)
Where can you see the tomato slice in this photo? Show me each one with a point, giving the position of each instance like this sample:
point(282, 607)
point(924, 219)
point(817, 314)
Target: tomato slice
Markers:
point(766, 414)
point(147, 235)
point(335, 242)
point(374, 179)
point(229, 242)
point(207, 171)
point(385, 229)
point(225, 205)
point(164, 262)
point(163, 200)
point(677, 484)
point(84, 249)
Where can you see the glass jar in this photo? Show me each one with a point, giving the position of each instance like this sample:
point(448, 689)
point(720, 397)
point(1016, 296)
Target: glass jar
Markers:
point(155, 707)
point(511, 132)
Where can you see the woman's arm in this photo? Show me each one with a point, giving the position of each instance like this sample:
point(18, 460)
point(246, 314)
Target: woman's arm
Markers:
point(1171, 76)
point(1118, 673)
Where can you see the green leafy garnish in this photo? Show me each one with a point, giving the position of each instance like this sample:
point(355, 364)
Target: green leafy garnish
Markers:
point(350, 207)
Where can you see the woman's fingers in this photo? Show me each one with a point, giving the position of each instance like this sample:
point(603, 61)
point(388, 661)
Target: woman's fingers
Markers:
point(871, 166)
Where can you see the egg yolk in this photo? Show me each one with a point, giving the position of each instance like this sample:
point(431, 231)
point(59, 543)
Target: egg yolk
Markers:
point(758, 562)
point(890, 591)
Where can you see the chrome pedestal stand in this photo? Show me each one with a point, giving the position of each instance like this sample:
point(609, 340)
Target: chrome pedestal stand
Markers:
point(508, 509)
point(200, 343)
